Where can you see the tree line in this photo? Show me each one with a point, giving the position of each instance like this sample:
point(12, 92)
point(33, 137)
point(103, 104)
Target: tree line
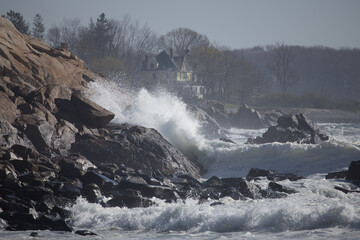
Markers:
point(113, 46)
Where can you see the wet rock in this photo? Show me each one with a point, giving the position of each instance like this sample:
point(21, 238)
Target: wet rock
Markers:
point(337, 175)
point(136, 147)
point(291, 128)
point(249, 118)
point(279, 188)
point(85, 233)
point(92, 192)
point(344, 190)
point(354, 171)
point(73, 166)
point(271, 175)
point(129, 202)
point(35, 193)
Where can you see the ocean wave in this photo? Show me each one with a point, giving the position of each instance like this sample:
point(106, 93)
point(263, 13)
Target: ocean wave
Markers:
point(316, 206)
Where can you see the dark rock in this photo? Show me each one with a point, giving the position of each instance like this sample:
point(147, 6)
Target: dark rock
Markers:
point(249, 119)
point(136, 147)
point(34, 234)
point(291, 128)
point(85, 233)
point(346, 191)
point(354, 171)
point(55, 224)
point(279, 188)
point(73, 166)
point(216, 204)
point(337, 175)
point(257, 172)
point(92, 192)
point(105, 183)
point(83, 111)
point(268, 193)
point(35, 193)
point(25, 152)
point(39, 131)
point(213, 182)
point(129, 201)
point(272, 175)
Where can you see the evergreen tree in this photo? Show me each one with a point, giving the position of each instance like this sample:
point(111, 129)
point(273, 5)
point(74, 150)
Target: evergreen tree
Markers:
point(18, 20)
point(39, 28)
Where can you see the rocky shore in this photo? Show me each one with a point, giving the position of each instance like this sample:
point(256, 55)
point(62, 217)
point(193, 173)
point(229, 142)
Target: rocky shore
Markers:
point(56, 145)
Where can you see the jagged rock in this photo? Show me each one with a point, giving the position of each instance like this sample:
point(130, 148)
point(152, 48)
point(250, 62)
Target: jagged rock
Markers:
point(129, 201)
point(249, 118)
point(279, 188)
point(83, 111)
point(291, 128)
point(255, 173)
point(136, 147)
point(39, 131)
point(337, 175)
point(354, 171)
point(85, 233)
point(10, 135)
point(92, 192)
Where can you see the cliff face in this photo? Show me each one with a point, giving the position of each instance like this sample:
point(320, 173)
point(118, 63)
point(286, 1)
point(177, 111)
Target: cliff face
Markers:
point(29, 63)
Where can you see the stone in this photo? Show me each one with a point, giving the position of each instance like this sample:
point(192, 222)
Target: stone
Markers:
point(92, 192)
point(249, 118)
point(337, 175)
point(129, 202)
point(354, 171)
point(137, 147)
point(83, 111)
point(85, 233)
point(279, 188)
point(291, 128)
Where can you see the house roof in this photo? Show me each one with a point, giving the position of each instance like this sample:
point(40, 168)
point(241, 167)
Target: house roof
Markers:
point(165, 61)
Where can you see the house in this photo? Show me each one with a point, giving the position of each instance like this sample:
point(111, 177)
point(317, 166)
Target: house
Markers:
point(172, 72)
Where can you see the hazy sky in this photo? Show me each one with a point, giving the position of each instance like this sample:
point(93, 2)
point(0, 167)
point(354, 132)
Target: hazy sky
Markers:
point(233, 23)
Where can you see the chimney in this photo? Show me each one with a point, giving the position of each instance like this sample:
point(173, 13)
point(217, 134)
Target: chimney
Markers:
point(171, 53)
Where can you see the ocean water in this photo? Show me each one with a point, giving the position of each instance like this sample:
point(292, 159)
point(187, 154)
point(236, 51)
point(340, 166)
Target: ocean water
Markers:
point(317, 211)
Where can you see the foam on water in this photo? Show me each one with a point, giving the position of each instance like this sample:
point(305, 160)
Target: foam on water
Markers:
point(168, 114)
point(316, 206)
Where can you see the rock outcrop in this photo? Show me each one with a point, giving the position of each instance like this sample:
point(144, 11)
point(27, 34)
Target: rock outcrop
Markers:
point(136, 147)
point(291, 128)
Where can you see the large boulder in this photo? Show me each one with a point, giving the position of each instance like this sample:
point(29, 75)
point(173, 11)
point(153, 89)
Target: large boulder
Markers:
point(137, 147)
point(291, 128)
point(84, 111)
point(249, 118)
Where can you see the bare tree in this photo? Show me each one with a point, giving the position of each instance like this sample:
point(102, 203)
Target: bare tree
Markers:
point(280, 66)
point(182, 40)
point(53, 36)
